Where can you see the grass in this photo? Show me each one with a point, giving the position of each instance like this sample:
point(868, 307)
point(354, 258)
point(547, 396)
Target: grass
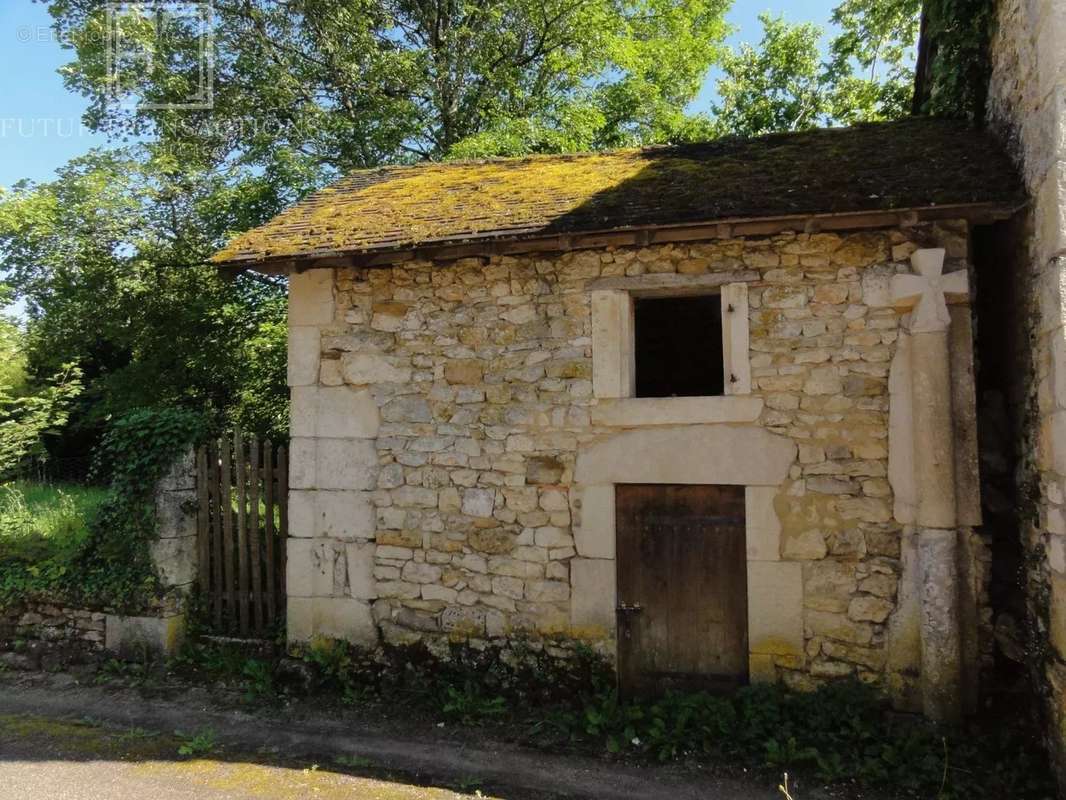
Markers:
point(43, 530)
point(38, 521)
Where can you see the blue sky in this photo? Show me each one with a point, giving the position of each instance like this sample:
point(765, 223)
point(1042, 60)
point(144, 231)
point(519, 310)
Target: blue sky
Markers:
point(40, 121)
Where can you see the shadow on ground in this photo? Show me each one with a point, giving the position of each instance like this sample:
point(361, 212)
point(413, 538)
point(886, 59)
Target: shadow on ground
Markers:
point(45, 757)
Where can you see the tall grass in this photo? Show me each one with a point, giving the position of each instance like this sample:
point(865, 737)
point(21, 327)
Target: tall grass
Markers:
point(45, 523)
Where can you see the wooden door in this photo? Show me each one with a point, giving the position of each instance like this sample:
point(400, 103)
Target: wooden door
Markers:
point(682, 587)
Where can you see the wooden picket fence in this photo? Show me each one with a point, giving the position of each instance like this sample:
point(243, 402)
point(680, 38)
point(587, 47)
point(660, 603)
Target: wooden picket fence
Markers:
point(242, 524)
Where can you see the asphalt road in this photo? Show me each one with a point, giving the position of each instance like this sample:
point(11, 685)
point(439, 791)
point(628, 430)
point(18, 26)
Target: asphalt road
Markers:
point(59, 779)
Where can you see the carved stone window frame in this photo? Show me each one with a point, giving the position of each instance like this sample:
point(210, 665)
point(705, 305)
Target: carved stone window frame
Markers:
point(614, 351)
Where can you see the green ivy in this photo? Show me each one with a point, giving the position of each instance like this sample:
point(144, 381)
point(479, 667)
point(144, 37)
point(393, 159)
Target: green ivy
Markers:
point(960, 32)
point(112, 566)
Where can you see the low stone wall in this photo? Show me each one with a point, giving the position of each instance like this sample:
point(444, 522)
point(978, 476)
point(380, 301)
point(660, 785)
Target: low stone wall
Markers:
point(159, 627)
point(53, 623)
point(159, 630)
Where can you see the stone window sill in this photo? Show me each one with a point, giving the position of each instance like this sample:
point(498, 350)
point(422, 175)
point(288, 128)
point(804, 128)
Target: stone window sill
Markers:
point(635, 412)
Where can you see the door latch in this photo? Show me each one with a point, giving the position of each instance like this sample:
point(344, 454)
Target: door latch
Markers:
point(626, 612)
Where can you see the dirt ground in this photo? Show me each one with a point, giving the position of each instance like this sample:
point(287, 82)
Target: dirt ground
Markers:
point(63, 740)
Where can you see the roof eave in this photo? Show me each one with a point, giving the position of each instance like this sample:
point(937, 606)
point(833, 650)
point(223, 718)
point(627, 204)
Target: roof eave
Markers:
point(539, 242)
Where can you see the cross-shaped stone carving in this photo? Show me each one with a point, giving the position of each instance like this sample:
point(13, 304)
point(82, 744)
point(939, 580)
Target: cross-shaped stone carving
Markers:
point(930, 289)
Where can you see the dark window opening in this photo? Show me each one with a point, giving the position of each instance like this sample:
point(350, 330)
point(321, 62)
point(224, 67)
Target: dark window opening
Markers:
point(679, 346)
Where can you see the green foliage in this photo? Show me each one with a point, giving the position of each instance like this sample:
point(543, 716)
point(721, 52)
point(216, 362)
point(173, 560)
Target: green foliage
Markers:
point(201, 743)
point(26, 419)
point(108, 259)
point(353, 762)
point(468, 704)
point(842, 733)
point(135, 452)
point(308, 88)
point(777, 87)
point(786, 84)
point(258, 676)
point(959, 32)
point(262, 403)
point(12, 351)
point(878, 38)
point(97, 553)
point(43, 532)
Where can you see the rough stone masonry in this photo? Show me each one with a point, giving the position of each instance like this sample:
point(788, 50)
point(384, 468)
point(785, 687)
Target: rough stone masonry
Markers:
point(1027, 107)
point(457, 428)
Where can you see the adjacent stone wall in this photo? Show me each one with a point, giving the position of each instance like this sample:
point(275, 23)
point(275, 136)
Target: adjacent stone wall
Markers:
point(174, 554)
point(1027, 104)
point(441, 411)
point(53, 623)
point(161, 631)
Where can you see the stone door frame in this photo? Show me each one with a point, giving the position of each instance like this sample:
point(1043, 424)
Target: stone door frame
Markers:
point(692, 454)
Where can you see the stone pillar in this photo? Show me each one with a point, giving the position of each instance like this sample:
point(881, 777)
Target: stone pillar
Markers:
point(174, 550)
point(934, 469)
point(333, 470)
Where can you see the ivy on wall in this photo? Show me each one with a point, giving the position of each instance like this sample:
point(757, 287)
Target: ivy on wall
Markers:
point(954, 60)
point(137, 450)
point(111, 566)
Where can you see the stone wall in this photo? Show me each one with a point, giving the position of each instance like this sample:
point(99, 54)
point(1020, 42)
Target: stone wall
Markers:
point(452, 459)
point(1027, 104)
point(53, 623)
point(160, 631)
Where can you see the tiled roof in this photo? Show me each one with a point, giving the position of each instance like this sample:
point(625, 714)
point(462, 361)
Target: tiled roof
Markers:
point(913, 163)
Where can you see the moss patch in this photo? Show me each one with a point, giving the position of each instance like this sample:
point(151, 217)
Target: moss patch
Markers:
point(917, 162)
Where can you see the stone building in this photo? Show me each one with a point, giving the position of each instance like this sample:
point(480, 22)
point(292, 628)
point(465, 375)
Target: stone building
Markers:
point(710, 408)
point(1027, 110)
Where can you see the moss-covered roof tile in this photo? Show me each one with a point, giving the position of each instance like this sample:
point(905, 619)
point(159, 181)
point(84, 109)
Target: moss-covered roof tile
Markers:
point(911, 163)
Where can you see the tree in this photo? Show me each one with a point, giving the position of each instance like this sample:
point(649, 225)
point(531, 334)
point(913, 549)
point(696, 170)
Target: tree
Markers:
point(25, 420)
point(306, 88)
point(878, 37)
point(777, 87)
point(109, 259)
point(12, 352)
point(786, 83)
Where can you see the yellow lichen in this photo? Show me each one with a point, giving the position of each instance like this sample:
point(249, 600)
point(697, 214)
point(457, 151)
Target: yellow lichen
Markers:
point(773, 646)
point(431, 200)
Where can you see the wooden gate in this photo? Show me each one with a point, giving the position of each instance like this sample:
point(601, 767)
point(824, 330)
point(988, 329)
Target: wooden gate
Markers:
point(682, 587)
point(242, 523)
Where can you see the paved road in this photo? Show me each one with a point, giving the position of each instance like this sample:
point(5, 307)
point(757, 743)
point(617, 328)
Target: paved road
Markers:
point(75, 760)
point(100, 779)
